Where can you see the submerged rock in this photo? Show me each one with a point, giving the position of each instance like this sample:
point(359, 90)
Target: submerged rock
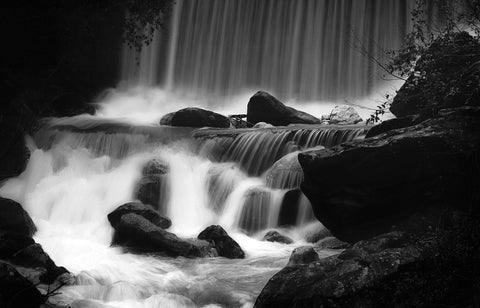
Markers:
point(285, 172)
point(222, 242)
point(195, 117)
point(140, 209)
point(153, 186)
point(344, 115)
point(16, 291)
point(263, 107)
point(362, 188)
point(275, 236)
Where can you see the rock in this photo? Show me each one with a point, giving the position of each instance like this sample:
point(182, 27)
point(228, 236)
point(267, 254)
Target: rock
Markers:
point(238, 122)
point(10, 243)
point(303, 255)
point(262, 125)
point(139, 234)
point(275, 236)
point(317, 234)
point(445, 76)
point(223, 243)
point(140, 209)
point(331, 243)
point(195, 117)
point(254, 215)
point(344, 115)
point(14, 219)
point(393, 124)
point(14, 153)
point(59, 274)
point(33, 256)
point(16, 291)
point(289, 208)
point(393, 270)
point(285, 172)
point(153, 186)
point(264, 107)
point(362, 188)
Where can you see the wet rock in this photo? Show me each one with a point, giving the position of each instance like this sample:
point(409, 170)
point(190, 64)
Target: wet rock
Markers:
point(33, 256)
point(289, 208)
point(140, 209)
point(14, 153)
point(57, 274)
point(254, 215)
point(316, 234)
point(393, 124)
point(223, 243)
point(154, 184)
point(361, 189)
point(263, 107)
point(262, 125)
point(285, 172)
point(344, 115)
point(331, 243)
point(445, 76)
point(275, 236)
point(10, 243)
point(16, 291)
point(14, 219)
point(195, 117)
point(139, 234)
point(303, 255)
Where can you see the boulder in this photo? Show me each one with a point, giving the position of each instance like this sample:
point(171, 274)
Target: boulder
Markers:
point(275, 236)
point(14, 153)
point(318, 233)
point(139, 234)
point(392, 270)
point(238, 122)
point(393, 124)
point(303, 255)
point(262, 125)
point(362, 188)
point(285, 172)
point(222, 242)
point(153, 186)
point(255, 210)
point(331, 243)
point(289, 208)
point(14, 219)
point(445, 76)
point(16, 291)
point(344, 115)
point(263, 107)
point(10, 243)
point(195, 117)
point(140, 209)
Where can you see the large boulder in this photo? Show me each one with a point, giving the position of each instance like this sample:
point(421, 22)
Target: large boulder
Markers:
point(16, 291)
point(393, 124)
point(223, 243)
point(285, 172)
point(14, 153)
point(140, 209)
point(195, 117)
point(14, 219)
point(344, 115)
point(277, 237)
point(303, 255)
point(263, 107)
point(392, 270)
point(362, 188)
point(446, 75)
point(139, 234)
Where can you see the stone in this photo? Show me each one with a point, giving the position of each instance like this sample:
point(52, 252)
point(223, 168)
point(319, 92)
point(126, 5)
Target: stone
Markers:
point(153, 186)
point(140, 209)
point(13, 152)
point(16, 291)
point(139, 234)
point(14, 219)
point(222, 242)
point(285, 172)
point(10, 243)
point(393, 124)
point(445, 76)
point(303, 255)
point(362, 188)
point(262, 125)
point(275, 236)
point(331, 242)
point(344, 115)
point(195, 117)
point(263, 107)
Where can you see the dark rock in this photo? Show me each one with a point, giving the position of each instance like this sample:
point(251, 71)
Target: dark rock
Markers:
point(33, 256)
point(393, 270)
point(155, 167)
point(393, 124)
point(140, 209)
point(331, 243)
point(57, 273)
point(10, 243)
point(16, 291)
point(344, 115)
point(445, 76)
point(285, 172)
point(154, 184)
point(303, 255)
point(14, 219)
point(317, 234)
point(275, 236)
point(195, 117)
point(140, 234)
point(238, 122)
point(254, 215)
point(264, 107)
point(14, 153)
point(289, 207)
point(360, 189)
point(223, 243)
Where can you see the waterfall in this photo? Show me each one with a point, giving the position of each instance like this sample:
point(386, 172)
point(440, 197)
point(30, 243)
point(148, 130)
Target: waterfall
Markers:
point(303, 49)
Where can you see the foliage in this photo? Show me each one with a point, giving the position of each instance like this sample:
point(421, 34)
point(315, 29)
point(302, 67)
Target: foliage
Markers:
point(456, 16)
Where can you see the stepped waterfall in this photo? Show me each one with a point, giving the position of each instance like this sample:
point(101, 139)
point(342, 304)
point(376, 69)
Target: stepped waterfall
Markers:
point(246, 180)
